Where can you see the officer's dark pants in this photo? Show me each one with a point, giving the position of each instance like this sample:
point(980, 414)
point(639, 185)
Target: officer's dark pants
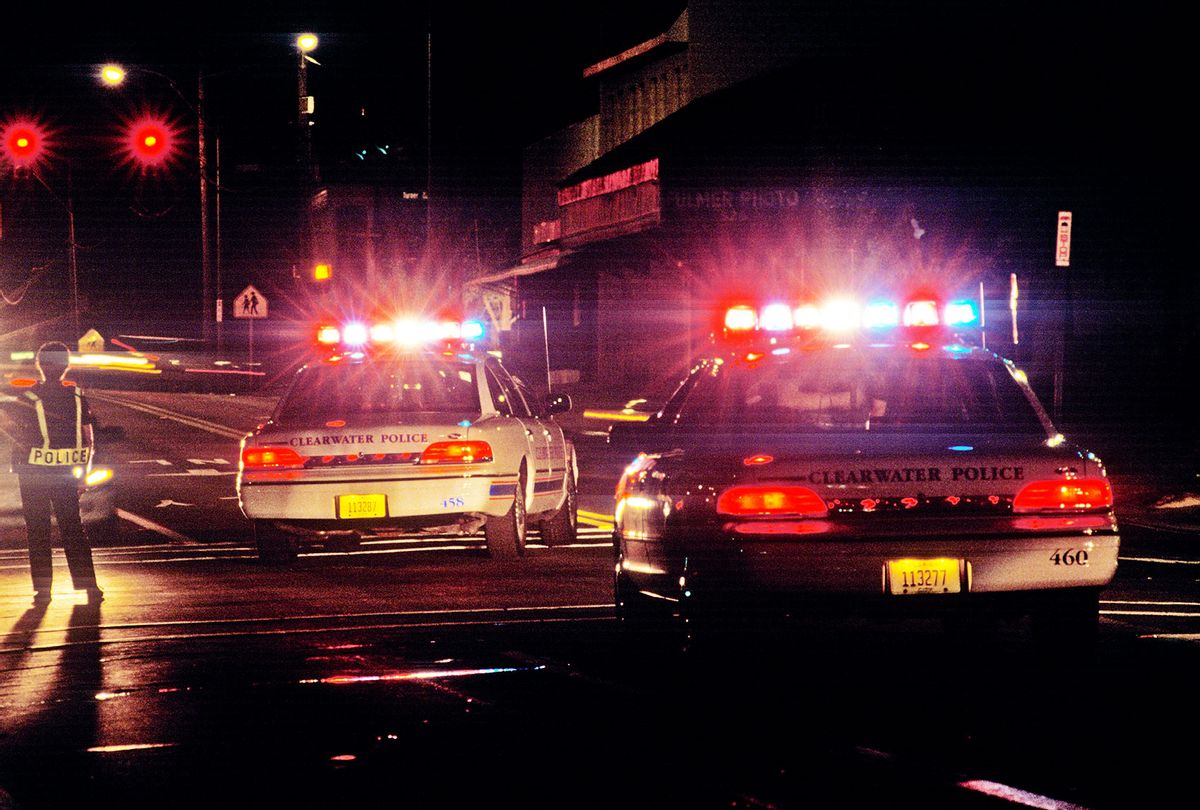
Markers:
point(40, 494)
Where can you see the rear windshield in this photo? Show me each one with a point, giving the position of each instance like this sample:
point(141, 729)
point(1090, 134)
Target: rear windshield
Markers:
point(395, 386)
point(853, 389)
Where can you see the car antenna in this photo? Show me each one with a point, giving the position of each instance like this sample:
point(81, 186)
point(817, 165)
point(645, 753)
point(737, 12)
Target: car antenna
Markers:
point(546, 341)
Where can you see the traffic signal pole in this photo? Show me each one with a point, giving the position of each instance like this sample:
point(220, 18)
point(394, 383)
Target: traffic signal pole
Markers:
point(207, 303)
point(74, 268)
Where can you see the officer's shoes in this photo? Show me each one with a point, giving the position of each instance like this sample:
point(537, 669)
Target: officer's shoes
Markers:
point(41, 597)
point(94, 595)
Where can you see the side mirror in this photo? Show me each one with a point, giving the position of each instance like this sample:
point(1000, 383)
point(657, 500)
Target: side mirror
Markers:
point(556, 403)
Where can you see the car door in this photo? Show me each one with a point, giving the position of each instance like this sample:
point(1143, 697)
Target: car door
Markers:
point(553, 482)
point(512, 406)
point(546, 482)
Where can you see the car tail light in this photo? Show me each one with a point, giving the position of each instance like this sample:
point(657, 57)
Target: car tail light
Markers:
point(457, 453)
point(1075, 495)
point(271, 457)
point(752, 500)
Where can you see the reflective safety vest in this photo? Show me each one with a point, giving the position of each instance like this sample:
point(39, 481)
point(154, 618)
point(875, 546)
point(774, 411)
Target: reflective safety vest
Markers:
point(47, 456)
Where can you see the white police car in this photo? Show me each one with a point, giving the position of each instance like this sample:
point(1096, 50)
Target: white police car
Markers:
point(878, 462)
point(402, 427)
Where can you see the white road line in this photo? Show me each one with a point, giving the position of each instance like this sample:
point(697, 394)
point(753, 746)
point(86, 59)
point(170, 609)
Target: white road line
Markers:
point(1160, 614)
point(120, 749)
point(157, 527)
point(999, 790)
point(508, 617)
point(1159, 560)
point(192, 421)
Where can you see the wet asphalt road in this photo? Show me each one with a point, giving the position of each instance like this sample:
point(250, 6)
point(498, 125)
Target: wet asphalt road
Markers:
point(421, 674)
point(550, 711)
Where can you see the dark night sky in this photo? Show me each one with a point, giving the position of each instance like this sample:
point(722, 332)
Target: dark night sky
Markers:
point(501, 78)
point(506, 74)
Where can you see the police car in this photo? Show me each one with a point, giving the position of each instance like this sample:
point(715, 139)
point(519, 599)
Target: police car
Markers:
point(836, 454)
point(400, 427)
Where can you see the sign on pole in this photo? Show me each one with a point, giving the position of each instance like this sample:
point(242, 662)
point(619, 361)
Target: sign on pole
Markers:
point(250, 303)
point(1062, 254)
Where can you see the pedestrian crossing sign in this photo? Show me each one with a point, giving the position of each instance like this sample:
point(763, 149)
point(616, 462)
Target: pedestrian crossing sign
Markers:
point(250, 303)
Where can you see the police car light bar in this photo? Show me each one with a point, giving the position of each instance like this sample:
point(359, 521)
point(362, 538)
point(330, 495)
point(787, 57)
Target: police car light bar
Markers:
point(404, 333)
point(843, 315)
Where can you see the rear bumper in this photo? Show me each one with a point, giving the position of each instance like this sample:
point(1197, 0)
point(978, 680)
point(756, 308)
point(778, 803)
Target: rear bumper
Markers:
point(430, 499)
point(994, 565)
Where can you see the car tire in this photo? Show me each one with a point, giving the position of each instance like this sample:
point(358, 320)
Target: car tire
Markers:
point(275, 546)
point(1066, 626)
point(562, 527)
point(505, 535)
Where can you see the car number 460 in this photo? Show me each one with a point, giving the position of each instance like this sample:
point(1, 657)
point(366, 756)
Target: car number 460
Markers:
point(1070, 556)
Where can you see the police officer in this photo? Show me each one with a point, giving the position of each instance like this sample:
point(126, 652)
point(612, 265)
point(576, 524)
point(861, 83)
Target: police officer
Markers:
point(53, 447)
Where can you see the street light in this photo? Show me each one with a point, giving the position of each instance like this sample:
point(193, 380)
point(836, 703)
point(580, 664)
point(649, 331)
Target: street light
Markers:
point(149, 146)
point(305, 44)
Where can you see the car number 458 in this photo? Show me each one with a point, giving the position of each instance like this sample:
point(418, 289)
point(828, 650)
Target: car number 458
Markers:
point(1070, 556)
point(451, 503)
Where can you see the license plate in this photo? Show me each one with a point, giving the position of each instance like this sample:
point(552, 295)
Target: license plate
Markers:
point(362, 506)
point(908, 577)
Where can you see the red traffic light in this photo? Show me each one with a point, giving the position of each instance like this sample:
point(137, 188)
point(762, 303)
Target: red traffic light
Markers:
point(23, 143)
point(150, 142)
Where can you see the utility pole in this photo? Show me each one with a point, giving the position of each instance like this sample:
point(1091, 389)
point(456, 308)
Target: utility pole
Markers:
point(207, 311)
point(308, 169)
point(220, 301)
point(74, 268)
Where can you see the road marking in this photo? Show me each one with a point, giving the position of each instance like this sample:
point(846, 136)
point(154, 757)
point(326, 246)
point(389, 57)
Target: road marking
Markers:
point(192, 471)
point(117, 749)
point(163, 413)
point(1160, 614)
point(414, 619)
point(623, 415)
point(999, 790)
point(155, 527)
point(1160, 560)
point(160, 461)
point(596, 519)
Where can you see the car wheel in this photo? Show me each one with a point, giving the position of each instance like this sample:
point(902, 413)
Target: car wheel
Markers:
point(561, 527)
point(1066, 626)
point(274, 544)
point(505, 535)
